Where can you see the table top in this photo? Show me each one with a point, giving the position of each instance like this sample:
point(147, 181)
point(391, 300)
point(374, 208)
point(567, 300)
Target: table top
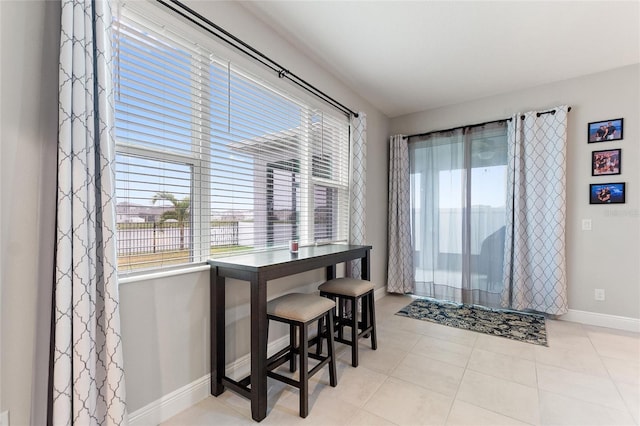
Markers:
point(258, 261)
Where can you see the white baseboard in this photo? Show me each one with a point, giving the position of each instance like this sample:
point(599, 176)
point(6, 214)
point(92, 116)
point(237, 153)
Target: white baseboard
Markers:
point(171, 404)
point(179, 400)
point(380, 293)
point(602, 320)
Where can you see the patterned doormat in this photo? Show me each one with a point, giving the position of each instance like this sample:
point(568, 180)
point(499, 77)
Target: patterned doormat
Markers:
point(519, 326)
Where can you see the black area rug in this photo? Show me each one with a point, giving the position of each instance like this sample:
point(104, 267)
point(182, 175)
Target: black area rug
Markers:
point(519, 326)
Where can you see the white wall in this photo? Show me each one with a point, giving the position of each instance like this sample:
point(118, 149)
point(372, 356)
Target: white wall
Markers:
point(29, 39)
point(608, 257)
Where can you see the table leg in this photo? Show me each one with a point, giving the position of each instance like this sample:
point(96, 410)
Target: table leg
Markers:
point(217, 325)
point(331, 272)
point(366, 266)
point(258, 349)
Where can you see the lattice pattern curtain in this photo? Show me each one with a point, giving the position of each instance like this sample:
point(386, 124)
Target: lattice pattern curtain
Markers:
point(400, 271)
point(87, 369)
point(358, 187)
point(535, 266)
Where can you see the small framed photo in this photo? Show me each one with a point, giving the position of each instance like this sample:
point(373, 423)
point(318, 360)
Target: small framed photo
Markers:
point(607, 193)
point(607, 130)
point(606, 162)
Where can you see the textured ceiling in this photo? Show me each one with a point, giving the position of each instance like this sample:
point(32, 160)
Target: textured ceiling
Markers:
point(405, 57)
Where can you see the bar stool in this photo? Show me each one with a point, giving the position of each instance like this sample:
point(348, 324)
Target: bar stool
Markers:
point(353, 290)
point(299, 310)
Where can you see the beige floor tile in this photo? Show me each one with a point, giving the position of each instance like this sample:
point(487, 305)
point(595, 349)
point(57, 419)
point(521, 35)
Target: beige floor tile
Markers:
point(431, 374)
point(606, 331)
point(622, 370)
point(426, 373)
point(562, 410)
point(569, 340)
point(464, 414)
point(505, 367)
point(443, 350)
point(451, 334)
point(391, 304)
point(564, 328)
point(631, 396)
point(324, 409)
point(382, 360)
point(501, 396)
point(207, 412)
point(365, 418)
point(275, 391)
point(326, 404)
point(404, 403)
point(285, 415)
point(505, 346)
point(585, 387)
point(615, 343)
point(355, 385)
point(399, 339)
point(582, 360)
point(398, 322)
point(384, 313)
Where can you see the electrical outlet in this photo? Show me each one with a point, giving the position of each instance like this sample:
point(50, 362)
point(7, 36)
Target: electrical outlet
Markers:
point(599, 294)
point(4, 418)
point(586, 224)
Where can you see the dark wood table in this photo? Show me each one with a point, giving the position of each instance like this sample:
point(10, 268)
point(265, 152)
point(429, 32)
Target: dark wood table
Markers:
point(258, 268)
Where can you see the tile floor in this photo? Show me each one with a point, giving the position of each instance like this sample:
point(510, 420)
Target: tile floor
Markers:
point(424, 373)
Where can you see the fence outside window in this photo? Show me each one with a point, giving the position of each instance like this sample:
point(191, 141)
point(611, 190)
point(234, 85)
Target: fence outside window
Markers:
point(144, 238)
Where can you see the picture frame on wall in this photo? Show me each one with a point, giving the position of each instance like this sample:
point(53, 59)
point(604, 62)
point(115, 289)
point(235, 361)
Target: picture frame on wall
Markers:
point(607, 193)
point(605, 130)
point(606, 162)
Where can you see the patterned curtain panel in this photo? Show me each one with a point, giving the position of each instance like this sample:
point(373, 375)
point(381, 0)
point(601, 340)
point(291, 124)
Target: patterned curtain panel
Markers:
point(358, 187)
point(534, 266)
point(400, 270)
point(87, 369)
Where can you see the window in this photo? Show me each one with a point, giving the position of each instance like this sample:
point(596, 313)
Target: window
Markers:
point(158, 232)
point(212, 160)
point(330, 178)
point(458, 207)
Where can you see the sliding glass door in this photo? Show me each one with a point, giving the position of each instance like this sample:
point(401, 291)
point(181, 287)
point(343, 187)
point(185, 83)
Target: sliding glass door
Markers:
point(458, 196)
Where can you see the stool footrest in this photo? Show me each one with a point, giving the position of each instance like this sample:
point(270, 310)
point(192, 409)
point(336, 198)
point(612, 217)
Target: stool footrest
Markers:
point(278, 359)
point(292, 382)
point(362, 333)
point(277, 355)
point(285, 379)
point(275, 362)
point(245, 382)
point(321, 364)
point(237, 387)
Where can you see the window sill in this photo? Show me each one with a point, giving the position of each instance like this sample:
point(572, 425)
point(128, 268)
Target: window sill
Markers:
point(145, 276)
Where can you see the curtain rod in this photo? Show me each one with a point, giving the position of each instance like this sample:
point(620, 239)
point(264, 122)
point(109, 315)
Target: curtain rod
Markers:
point(456, 128)
point(551, 111)
point(215, 30)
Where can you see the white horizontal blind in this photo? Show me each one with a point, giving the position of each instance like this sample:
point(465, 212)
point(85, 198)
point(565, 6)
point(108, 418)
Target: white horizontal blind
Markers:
point(211, 160)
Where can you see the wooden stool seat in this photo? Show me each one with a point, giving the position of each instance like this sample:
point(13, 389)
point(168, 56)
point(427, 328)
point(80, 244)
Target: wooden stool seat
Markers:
point(299, 307)
point(347, 287)
point(299, 310)
point(352, 290)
